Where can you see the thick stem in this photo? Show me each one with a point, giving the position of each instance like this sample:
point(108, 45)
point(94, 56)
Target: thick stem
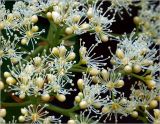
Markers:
point(137, 76)
point(16, 104)
point(65, 112)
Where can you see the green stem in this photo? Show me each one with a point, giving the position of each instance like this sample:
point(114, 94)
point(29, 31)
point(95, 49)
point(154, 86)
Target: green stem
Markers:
point(68, 37)
point(16, 104)
point(66, 112)
point(78, 69)
point(137, 76)
point(36, 51)
point(43, 39)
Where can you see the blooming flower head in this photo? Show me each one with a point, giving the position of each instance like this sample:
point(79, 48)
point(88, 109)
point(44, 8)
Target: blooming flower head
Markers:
point(84, 118)
point(63, 61)
point(118, 5)
point(143, 96)
point(29, 33)
point(87, 57)
point(134, 51)
point(33, 114)
point(43, 75)
point(110, 80)
point(100, 21)
point(89, 99)
point(115, 107)
point(149, 21)
point(9, 49)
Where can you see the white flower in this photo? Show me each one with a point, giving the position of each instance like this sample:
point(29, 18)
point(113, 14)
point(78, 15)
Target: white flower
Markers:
point(118, 5)
point(29, 33)
point(92, 95)
point(9, 49)
point(143, 96)
point(135, 51)
point(85, 117)
point(63, 61)
point(111, 80)
point(100, 20)
point(41, 5)
point(43, 75)
point(88, 57)
point(33, 114)
point(149, 21)
point(114, 107)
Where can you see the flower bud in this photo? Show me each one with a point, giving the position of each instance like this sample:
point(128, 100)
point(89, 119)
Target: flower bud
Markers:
point(83, 104)
point(71, 122)
point(62, 51)
point(7, 74)
point(90, 13)
point(22, 96)
point(120, 84)
point(35, 28)
point(153, 104)
point(123, 101)
point(77, 99)
point(71, 56)
point(105, 74)
point(1, 85)
point(24, 41)
point(76, 18)
point(21, 118)
point(128, 69)
point(56, 17)
point(3, 113)
point(104, 38)
point(80, 94)
point(24, 111)
point(45, 97)
point(151, 84)
point(49, 15)
point(156, 113)
point(158, 98)
point(94, 71)
point(1, 25)
point(95, 79)
point(137, 68)
point(119, 54)
point(85, 26)
point(105, 109)
point(69, 30)
point(34, 18)
point(55, 51)
point(137, 20)
point(10, 80)
point(61, 97)
point(80, 84)
point(134, 114)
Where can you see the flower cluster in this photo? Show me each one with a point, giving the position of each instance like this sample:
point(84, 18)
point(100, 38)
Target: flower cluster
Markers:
point(148, 21)
point(40, 63)
point(9, 50)
point(42, 75)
